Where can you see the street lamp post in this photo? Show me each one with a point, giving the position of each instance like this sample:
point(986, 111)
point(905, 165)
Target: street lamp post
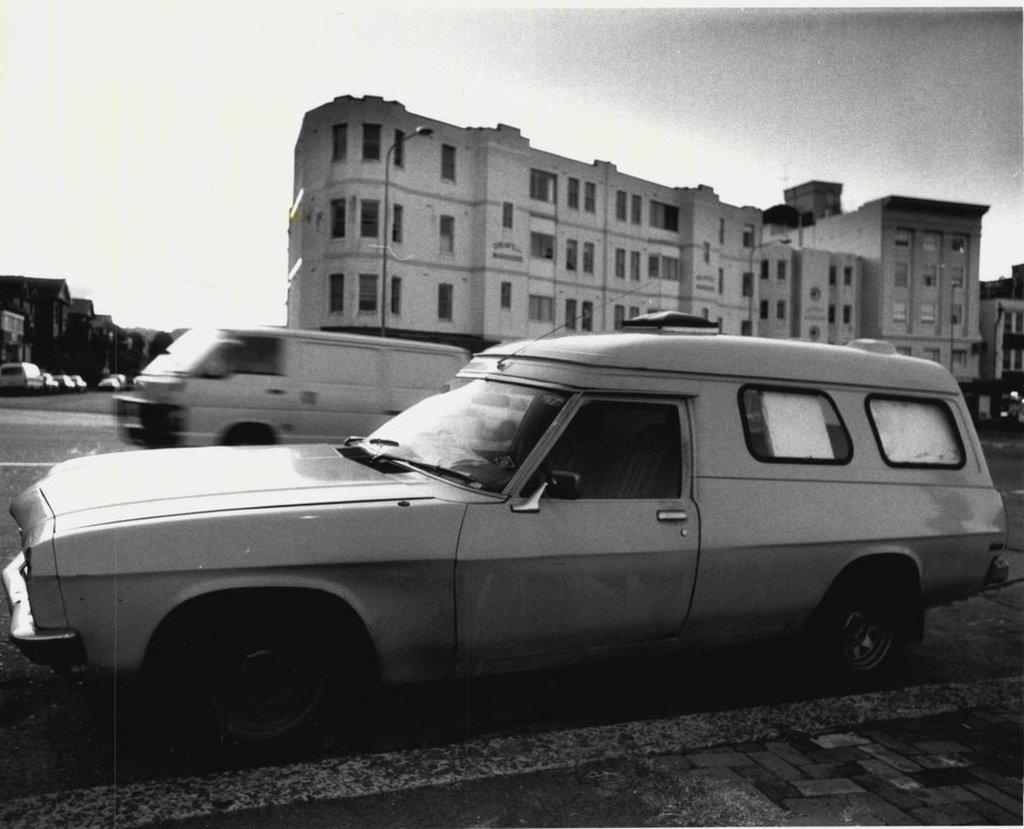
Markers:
point(385, 248)
point(753, 278)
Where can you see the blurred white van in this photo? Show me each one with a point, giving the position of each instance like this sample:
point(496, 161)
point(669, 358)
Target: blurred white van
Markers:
point(21, 377)
point(278, 385)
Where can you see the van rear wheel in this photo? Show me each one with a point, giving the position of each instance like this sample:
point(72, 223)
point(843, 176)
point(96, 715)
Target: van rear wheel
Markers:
point(860, 633)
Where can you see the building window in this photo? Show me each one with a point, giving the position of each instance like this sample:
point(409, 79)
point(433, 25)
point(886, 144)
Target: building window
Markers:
point(506, 214)
point(831, 274)
point(721, 279)
point(721, 231)
point(635, 209)
point(748, 236)
point(634, 265)
point(620, 315)
point(620, 205)
point(573, 194)
point(904, 351)
point(588, 257)
point(369, 219)
point(707, 252)
point(901, 276)
point(956, 314)
point(620, 263)
point(764, 268)
point(399, 148)
point(832, 313)
point(444, 301)
point(931, 241)
point(956, 277)
point(542, 186)
point(959, 358)
point(570, 314)
point(571, 249)
point(745, 328)
point(447, 162)
point(589, 196)
point(903, 238)
point(542, 246)
point(447, 231)
point(337, 218)
point(587, 317)
point(927, 312)
point(337, 296)
point(396, 295)
point(748, 284)
point(339, 149)
point(780, 309)
point(367, 292)
point(396, 224)
point(541, 308)
point(506, 294)
point(899, 312)
point(847, 314)
point(848, 275)
point(652, 266)
point(780, 269)
point(928, 273)
point(764, 309)
point(664, 216)
point(958, 244)
point(931, 354)
point(371, 142)
point(633, 312)
point(670, 268)
point(815, 293)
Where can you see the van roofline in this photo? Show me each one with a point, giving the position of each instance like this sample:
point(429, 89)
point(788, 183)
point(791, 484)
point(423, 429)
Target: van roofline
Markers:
point(732, 356)
point(339, 337)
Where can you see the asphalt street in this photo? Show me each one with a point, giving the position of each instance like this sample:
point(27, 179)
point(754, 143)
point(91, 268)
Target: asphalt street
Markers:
point(77, 740)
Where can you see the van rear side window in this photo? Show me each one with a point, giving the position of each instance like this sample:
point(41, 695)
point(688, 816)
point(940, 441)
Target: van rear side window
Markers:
point(914, 432)
point(793, 426)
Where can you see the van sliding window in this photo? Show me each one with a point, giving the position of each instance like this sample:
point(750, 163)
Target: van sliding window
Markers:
point(787, 425)
point(912, 432)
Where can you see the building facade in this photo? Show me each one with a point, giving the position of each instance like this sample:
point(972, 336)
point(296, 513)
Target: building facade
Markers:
point(1002, 328)
point(490, 239)
point(919, 282)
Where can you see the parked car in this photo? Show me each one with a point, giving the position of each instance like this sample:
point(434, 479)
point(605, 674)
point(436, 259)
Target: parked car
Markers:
point(111, 382)
point(565, 500)
point(50, 383)
point(276, 385)
point(80, 384)
point(65, 383)
point(20, 378)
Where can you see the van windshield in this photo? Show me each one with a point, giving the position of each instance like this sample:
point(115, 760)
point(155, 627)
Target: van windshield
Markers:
point(481, 431)
point(186, 353)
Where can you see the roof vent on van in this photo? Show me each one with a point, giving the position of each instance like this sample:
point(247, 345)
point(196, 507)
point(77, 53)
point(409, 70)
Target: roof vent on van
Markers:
point(670, 322)
point(873, 346)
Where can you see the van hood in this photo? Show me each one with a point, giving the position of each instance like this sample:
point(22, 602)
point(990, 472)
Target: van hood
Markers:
point(127, 486)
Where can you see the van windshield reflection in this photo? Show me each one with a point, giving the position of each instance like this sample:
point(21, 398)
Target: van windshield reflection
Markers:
point(186, 353)
point(482, 431)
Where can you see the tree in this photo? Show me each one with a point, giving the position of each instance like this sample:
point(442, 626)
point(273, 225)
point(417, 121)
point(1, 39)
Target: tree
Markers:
point(158, 345)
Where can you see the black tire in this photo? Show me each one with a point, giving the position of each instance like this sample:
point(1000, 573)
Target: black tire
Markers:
point(861, 631)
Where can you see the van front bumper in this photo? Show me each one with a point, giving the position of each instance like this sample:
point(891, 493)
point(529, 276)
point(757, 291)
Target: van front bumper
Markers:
point(149, 424)
point(56, 647)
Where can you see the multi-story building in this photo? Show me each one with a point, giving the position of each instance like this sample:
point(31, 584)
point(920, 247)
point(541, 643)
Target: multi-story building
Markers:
point(490, 239)
point(918, 268)
point(1002, 328)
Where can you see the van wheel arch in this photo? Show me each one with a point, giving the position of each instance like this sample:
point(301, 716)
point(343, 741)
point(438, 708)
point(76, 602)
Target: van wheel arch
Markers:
point(189, 644)
point(249, 434)
point(877, 597)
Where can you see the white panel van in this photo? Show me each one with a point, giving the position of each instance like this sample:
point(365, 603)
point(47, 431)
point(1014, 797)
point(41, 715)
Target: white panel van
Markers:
point(277, 385)
point(20, 377)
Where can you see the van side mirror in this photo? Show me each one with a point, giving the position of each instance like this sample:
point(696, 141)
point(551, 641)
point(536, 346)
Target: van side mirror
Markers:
point(563, 485)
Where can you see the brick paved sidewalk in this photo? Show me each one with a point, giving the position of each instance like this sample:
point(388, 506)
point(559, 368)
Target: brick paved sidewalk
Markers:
point(958, 768)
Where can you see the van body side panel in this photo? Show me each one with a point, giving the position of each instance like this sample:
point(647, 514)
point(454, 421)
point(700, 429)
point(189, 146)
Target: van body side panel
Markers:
point(767, 572)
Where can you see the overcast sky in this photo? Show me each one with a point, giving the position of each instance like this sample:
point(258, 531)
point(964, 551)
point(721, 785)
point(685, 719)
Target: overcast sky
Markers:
point(146, 147)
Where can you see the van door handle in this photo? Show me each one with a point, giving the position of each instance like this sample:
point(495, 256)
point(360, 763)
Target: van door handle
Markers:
point(672, 515)
point(275, 391)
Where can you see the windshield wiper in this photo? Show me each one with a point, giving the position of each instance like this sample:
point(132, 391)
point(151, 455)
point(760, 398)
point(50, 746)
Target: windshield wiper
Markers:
point(430, 467)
